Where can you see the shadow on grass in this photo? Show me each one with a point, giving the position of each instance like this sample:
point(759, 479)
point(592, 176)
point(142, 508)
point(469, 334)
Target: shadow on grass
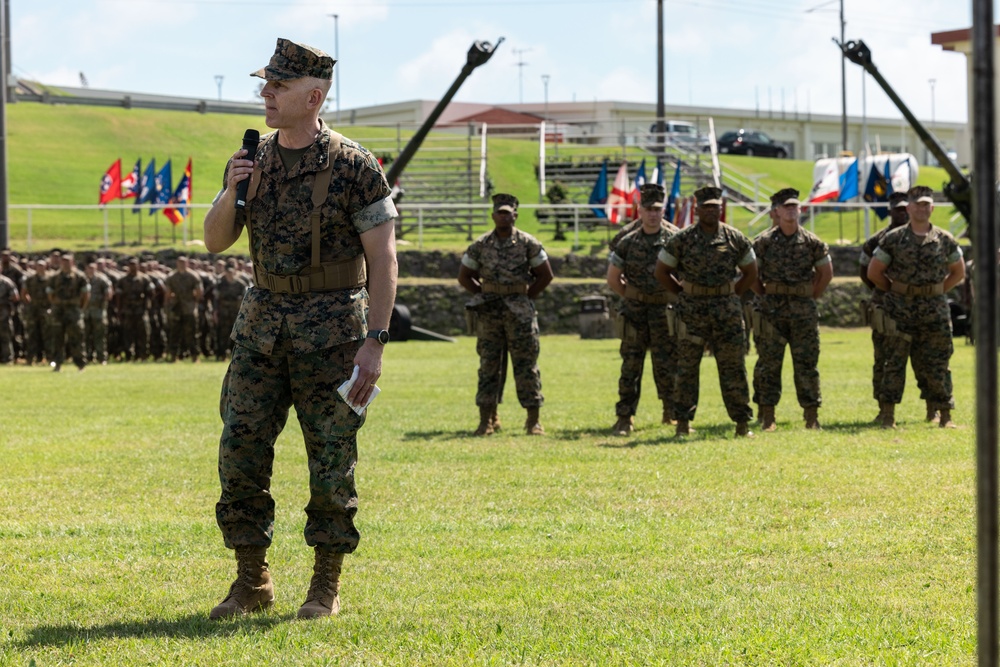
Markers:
point(429, 435)
point(194, 626)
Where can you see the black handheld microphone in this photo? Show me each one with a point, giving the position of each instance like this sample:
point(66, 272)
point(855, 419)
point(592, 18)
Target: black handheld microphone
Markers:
point(250, 140)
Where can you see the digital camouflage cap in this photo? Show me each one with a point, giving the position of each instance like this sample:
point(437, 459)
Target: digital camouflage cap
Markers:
point(652, 195)
point(920, 193)
point(708, 195)
point(294, 61)
point(505, 202)
point(785, 196)
point(898, 200)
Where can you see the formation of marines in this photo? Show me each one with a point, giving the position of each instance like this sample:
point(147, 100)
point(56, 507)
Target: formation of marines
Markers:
point(51, 311)
point(683, 293)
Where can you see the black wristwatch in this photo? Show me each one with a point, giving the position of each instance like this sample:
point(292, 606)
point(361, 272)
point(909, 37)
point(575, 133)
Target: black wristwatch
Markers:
point(381, 335)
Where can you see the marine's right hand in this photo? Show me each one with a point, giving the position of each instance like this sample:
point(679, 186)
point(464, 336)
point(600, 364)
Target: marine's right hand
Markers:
point(240, 169)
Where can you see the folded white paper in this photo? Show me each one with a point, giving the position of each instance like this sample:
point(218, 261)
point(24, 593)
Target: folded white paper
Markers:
point(345, 389)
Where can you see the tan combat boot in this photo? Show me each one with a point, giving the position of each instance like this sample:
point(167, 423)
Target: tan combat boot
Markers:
point(765, 417)
point(668, 413)
point(531, 425)
point(932, 414)
point(485, 420)
point(252, 591)
point(323, 598)
point(888, 415)
point(743, 430)
point(881, 413)
point(495, 420)
point(811, 416)
point(623, 426)
point(945, 420)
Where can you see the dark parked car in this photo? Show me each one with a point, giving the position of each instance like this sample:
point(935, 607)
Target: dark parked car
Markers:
point(751, 142)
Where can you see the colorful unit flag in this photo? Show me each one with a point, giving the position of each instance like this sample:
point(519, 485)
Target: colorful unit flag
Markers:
point(599, 195)
point(130, 184)
point(182, 195)
point(640, 180)
point(849, 183)
point(828, 187)
point(877, 190)
point(111, 183)
point(146, 190)
point(620, 200)
point(162, 188)
point(675, 193)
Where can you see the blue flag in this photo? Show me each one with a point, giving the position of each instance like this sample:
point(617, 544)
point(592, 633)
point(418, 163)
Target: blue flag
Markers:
point(675, 193)
point(599, 195)
point(163, 187)
point(849, 183)
point(877, 190)
point(888, 179)
point(640, 175)
point(146, 190)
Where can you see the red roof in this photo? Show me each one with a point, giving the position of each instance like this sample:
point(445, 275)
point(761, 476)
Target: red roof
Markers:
point(500, 116)
point(948, 38)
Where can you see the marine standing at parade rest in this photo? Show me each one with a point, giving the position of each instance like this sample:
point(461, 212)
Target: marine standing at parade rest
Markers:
point(898, 217)
point(68, 292)
point(183, 292)
point(9, 298)
point(643, 310)
point(916, 265)
point(505, 270)
point(133, 295)
point(319, 221)
point(95, 320)
point(37, 342)
point(228, 293)
point(699, 263)
point(793, 270)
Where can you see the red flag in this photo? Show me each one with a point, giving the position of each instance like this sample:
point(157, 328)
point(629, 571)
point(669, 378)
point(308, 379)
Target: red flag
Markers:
point(182, 195)
point(620, 199)
point(722, 213)
point(111, 183)
point(130, 183)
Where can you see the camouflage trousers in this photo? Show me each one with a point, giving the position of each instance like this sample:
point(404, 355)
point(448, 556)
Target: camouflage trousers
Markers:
point(67, 334)
point(36, 333)
point(929, 349)
point(718, 322)
point(181, 335)
point(95, 327)
point(645, 329)
point(880, 347)
point(135, 334)
point(6, 340)
point(257, 391)
point(499, 333)
point(802, 338)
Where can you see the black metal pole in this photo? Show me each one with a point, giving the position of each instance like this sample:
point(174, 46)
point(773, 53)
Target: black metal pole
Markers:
point(4, 68)
point(661, 106)
point(984, 216)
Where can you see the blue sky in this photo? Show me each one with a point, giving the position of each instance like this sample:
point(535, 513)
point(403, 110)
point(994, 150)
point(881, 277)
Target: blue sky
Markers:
point(730, 53)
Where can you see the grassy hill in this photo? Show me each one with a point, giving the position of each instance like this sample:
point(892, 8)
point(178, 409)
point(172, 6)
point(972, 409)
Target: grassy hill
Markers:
point(44, 171)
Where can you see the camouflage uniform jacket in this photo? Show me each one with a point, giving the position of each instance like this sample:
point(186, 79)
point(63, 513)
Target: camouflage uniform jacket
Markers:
point(100, 290)
point(67, 288)
point(868, 251)
point(183, 287)
point(281, 235)
point(791, 260)
point(622, 233)
point(636, 255)
point(707, 260)
point(135, 292)
point(917, 261)
point(35, 284)
point(8, 297)
point(505, 262)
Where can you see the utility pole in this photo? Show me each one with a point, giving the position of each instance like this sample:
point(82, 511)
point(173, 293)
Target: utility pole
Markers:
point(661, 107)
point(336, 65)
point(843, 82)
point(545, 82)
point(520, 72)
point(218, 82)
point(4, 80)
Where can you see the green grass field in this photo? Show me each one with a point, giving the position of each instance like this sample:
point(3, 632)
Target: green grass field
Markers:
point(41, 173)
point(850, 546)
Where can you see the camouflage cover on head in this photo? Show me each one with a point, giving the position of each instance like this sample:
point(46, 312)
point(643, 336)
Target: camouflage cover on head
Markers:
point(652, 195)
point(919, 193)
point(294, 61)
point(708, 195)
point(898, 199)
point(785, 196)
point(505, 202)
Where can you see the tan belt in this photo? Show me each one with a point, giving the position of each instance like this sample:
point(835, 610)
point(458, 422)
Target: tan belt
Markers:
point(693, 289)
point(497, 288)
point(664, 297)
point(912, 290)
point(800, 289)
point(329, 277)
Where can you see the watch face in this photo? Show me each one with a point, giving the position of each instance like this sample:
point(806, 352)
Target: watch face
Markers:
point(383, 336)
